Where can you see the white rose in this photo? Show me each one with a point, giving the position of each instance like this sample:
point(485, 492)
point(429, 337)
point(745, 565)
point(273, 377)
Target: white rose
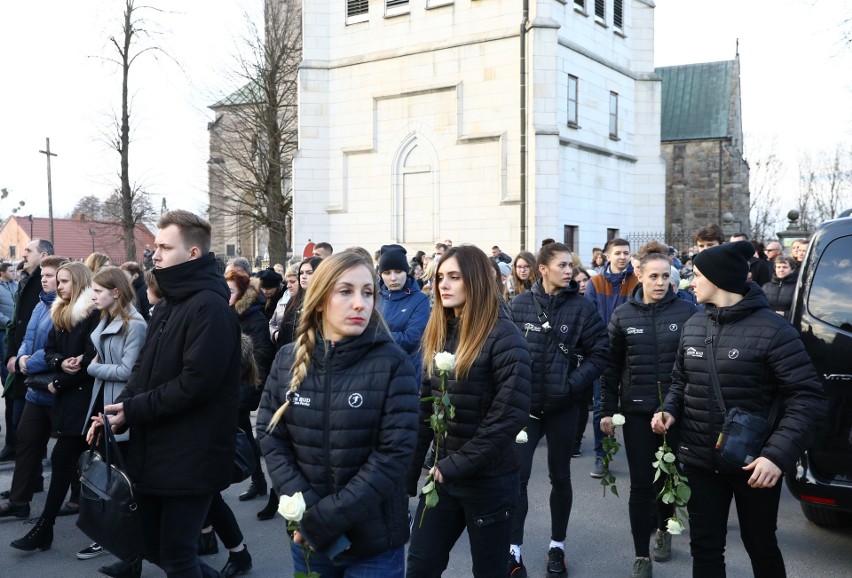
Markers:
point(445, 361)
point(292, 507)
point(618, 420)
point(522, 437)
point(674, 527)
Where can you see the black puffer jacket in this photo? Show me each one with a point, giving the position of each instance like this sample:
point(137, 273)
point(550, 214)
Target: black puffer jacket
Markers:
point(556, 379)
point(491, 406)
point(779, 292)
point(254, 324)
point(181, 399)
point(70, 415)
point(345, 441)
point(758, 356)
point(644, 338)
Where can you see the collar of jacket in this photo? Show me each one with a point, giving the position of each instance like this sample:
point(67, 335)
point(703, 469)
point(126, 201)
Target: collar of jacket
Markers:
point(248, 302)
point(618, 278)
point(406, 290)
point(80, 309)
point(47, 298)
point(638, 294)
point(180, 282)
point(347, 352)
point(754, 299)
point(116, 323)
point(573, 288)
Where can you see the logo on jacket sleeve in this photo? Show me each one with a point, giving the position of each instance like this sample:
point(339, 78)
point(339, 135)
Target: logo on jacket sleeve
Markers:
point(635, 330)
point(733, 354)
point(692, 352)
point(356, 400)
point(673, 327)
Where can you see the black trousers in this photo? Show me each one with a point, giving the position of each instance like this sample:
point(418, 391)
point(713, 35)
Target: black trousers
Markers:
point(640, 444)
point(224, 523)
point(757, 511)
point(484, 507)
point(63, 468)
point(244, 423)
point(559, 428)
point(33, 435)
point(170, 526)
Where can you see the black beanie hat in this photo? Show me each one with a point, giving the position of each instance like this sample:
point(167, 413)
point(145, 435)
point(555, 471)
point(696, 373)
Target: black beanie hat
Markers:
point(270, 279)
point(393, 258)
point(726, 266)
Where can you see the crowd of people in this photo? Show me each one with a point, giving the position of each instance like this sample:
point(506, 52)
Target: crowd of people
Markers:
point(378, 379)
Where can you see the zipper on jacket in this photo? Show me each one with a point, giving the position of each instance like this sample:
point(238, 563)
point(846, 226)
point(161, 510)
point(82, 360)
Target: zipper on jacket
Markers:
point(656, 341)
point(326, 436)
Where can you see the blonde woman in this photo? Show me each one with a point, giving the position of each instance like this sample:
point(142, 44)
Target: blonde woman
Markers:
point(337, 422)
point(477, 469)
point(68, 352)
point(97, 261)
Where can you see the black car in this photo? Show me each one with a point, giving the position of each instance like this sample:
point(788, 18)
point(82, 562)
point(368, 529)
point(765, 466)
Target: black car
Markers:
point(822, 312)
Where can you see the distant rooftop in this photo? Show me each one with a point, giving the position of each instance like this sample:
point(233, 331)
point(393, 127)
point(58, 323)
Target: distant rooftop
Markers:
point(696, 100)
point(251, 93)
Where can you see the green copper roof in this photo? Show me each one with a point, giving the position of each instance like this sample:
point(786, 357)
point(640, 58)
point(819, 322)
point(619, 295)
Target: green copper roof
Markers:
point(251, 93)
point(696, 100)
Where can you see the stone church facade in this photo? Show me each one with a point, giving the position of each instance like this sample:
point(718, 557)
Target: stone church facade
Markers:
point(702, 144)
point(411, 129)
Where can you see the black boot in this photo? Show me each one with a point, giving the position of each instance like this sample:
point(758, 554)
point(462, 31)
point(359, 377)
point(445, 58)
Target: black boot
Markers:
point(255, 489)
point(207, 544)
point(122, 569)
point(10, 508)
point(238, 563)
point(268, 512)
point(40, 537)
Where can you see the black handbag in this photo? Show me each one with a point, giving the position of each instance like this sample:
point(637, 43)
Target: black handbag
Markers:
point(108, 510)
point(245, 460)
point(743, 433)
point(40, 380)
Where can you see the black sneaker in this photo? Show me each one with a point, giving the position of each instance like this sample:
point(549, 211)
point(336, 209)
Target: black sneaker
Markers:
point(516, 569)
point(93, 550)
point(556, 561)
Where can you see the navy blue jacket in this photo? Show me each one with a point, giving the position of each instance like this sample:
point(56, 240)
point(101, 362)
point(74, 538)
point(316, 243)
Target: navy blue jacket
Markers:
point(406, 312)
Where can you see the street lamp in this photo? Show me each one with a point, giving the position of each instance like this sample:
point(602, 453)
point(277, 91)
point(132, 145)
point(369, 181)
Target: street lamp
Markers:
point(92, 233)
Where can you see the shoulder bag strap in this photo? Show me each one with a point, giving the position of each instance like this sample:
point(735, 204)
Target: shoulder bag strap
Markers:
point(711, 365)
point(547, 328)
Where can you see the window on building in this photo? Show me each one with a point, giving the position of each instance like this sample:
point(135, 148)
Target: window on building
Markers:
point(13, 251)
point(573, 83)
point(830, 280)
point(618, 14)
point(600, 10)
point(571, 235)
point(356, 7)
point(613, 115)
point(393, 7)
point(612, 234)
point(580, 5)
point(231, 250)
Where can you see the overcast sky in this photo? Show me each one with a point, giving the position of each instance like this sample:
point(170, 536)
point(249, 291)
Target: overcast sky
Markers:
point(795, 83)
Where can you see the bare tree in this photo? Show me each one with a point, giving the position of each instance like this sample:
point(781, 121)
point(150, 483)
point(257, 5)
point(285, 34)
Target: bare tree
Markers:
point(254, 136)
point(765, 177)
point(89, 207)
point(825, 182)
point(135, 30)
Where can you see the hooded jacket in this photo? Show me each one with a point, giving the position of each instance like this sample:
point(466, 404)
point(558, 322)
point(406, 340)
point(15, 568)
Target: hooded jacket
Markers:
point(492, 405)
point(759, 356)
point(406, 312)
point(557, 380)
point(345, 441)
point(181, 399)
point(779, 293)
point(644, 339)
point(70, 415)
point(118, 345)
point(249, 311)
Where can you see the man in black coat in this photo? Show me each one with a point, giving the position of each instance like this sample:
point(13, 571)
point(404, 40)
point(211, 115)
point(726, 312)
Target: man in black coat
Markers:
point(181, 399)
point(26, 300)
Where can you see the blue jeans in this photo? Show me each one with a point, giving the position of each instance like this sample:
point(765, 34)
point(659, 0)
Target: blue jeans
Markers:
point(484, 506)
point(388, 564)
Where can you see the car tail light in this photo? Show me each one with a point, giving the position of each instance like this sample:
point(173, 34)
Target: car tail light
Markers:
point(818, 500)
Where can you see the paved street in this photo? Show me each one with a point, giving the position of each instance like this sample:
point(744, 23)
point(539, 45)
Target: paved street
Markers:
point(599, 542)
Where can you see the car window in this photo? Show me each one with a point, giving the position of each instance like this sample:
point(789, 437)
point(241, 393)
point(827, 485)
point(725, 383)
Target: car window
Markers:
point(830, 298)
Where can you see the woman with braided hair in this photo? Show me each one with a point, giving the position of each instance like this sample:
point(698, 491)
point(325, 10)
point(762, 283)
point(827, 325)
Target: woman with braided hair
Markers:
point(337, 422)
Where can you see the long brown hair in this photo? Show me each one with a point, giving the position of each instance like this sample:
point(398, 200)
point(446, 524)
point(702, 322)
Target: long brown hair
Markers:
point(61, 312)
point(481, 308)
point(315, 298)
point(520, 286)
point(114, 278)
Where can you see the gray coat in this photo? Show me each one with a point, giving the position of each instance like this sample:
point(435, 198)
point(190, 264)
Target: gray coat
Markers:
point(7, 302)
point(117, 349)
